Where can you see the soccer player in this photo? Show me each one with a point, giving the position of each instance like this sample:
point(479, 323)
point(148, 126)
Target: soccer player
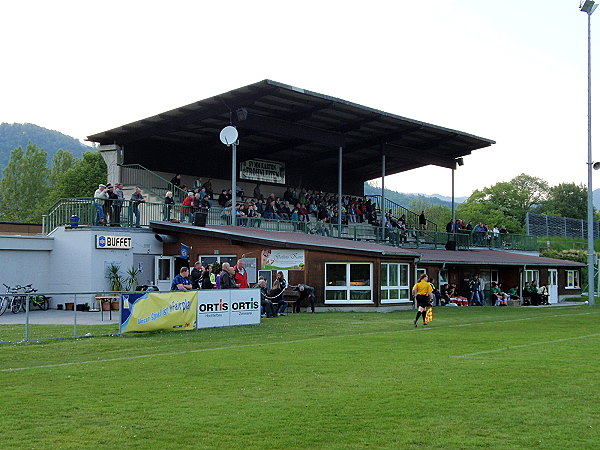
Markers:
point(423, 292)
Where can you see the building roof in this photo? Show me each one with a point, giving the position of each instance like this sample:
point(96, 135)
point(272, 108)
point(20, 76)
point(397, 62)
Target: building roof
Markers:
point(490, 257)
point(289, 124)
point(321, 243)
point(284, 239)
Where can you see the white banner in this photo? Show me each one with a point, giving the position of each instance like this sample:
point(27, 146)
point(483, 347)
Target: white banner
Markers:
point(228, 307)
point(282, 260)
point(262, 170)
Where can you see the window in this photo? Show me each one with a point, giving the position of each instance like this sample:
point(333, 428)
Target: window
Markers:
point(212, 259)
point(572, 279)
point(531, 275)
point(348, 283)
point(394, 283)
point(420, 272)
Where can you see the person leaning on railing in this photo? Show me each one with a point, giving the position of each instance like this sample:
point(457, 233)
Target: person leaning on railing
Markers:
point(100, 197)
point(136, 199)
point(169, 203)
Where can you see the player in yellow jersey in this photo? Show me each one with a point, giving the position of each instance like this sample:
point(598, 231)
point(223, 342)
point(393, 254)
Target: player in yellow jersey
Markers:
point(424, 295)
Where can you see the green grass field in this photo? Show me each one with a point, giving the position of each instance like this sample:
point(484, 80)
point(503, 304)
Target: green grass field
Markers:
point(476, 377)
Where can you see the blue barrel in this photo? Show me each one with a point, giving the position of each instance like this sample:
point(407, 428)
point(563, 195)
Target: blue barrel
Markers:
point(75, 221)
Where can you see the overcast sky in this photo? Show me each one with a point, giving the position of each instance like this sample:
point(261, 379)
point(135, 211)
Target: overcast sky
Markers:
point(512, 71)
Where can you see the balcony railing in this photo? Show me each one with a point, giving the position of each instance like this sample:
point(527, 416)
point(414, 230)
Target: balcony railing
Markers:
point(85, 212)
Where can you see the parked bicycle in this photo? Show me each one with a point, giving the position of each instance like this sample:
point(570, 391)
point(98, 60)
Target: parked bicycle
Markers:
point(6, 299)
point(39, 301)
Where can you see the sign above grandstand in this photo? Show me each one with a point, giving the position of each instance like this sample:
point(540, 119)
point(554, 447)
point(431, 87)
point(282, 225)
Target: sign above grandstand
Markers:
point(262, 170)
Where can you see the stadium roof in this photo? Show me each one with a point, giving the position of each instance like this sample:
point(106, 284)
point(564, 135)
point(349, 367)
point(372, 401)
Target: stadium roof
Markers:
point(285, 123)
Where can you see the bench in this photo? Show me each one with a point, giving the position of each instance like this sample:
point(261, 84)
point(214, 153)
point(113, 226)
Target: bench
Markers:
point(290, 296)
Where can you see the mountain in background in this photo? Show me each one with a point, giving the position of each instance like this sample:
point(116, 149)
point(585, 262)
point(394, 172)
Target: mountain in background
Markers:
point(405, 199)
point(13, 135)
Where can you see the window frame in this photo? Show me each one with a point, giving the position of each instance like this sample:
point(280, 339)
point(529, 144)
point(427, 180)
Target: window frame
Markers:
point(398, 287)
point(576, 279)
point(348, 288)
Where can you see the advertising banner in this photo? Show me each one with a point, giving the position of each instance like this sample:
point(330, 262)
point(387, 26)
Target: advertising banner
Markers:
point(150, 311)
point(282, 260)
point(225, 307)
point(261, 170)
point(244, 307)
point(213, 308)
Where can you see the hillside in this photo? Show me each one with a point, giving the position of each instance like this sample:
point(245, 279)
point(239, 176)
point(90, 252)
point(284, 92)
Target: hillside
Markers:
point(13, 135)
point(405, 199)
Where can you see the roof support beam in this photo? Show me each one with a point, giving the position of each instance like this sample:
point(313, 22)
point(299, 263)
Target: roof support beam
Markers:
point(284, 128)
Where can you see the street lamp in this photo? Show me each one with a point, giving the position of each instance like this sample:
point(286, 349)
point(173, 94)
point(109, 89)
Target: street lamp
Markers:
point(588, 7)
point(229, 136)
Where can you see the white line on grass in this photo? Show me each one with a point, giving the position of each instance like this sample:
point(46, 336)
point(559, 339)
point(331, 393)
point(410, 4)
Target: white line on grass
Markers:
point(531, 344)
point(293, 341)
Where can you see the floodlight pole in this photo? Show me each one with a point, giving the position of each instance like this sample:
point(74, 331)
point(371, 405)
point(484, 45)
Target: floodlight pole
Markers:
point(233, 185)
point(340, 155)
point(588, 7)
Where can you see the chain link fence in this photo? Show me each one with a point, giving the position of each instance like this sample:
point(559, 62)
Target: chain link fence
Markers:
point(542, 225)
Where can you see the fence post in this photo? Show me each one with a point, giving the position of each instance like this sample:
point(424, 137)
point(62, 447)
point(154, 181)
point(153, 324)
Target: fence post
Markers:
point(75, 316)
point(27, 318)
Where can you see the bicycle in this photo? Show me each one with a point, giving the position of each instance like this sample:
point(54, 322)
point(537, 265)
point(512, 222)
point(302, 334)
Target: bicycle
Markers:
point(40, 301)
point(6, 300)
point(17, 302)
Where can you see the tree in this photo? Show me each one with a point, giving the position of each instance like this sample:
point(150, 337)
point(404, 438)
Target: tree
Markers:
point(537, 189)
point(567, 200)
point(24, 186)
point(83, 178)
point(438, 214)
point(62, 161)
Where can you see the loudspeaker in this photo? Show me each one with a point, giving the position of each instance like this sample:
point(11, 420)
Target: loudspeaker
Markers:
point(451, 245)
point(200, 219)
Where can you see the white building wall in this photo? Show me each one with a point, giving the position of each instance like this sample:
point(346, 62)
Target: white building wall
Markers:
point(25, 260)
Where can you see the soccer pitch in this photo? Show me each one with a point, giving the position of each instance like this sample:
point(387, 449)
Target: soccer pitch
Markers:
point(475, 377)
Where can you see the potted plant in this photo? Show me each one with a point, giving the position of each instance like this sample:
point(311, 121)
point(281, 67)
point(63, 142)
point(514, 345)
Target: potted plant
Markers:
point(115, 279)
point(131, 278)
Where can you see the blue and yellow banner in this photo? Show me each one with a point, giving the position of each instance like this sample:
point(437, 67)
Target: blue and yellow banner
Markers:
point(150, 311)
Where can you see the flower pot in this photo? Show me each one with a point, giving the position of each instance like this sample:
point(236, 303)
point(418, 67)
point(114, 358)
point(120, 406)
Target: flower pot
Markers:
point(105, 306)
point(69, 306)
point(59, 307)
point(80, 307)
point(114, 305)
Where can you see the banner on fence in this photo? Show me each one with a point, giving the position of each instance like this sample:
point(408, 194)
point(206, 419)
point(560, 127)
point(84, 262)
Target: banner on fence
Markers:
point(151, 311)
point(228, 307)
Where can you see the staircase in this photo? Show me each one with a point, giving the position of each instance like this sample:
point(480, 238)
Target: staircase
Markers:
point(412, 218)
point(153, 185)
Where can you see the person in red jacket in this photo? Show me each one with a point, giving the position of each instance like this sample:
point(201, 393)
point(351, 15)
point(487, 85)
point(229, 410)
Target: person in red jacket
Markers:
point(241, 276)
point(186, 208)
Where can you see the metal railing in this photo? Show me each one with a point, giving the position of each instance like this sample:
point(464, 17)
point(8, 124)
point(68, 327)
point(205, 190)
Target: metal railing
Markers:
point(412, 218)
point(137, 175)
point(123, 213)
point(61, 324)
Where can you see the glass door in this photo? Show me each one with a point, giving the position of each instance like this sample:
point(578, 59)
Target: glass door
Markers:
point(164, 270)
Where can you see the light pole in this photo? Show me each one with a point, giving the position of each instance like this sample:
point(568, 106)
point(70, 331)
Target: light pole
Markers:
point(588, 7)
point(229, 136)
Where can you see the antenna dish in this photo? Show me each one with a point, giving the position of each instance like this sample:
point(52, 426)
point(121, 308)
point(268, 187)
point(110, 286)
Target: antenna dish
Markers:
point(228, 135)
